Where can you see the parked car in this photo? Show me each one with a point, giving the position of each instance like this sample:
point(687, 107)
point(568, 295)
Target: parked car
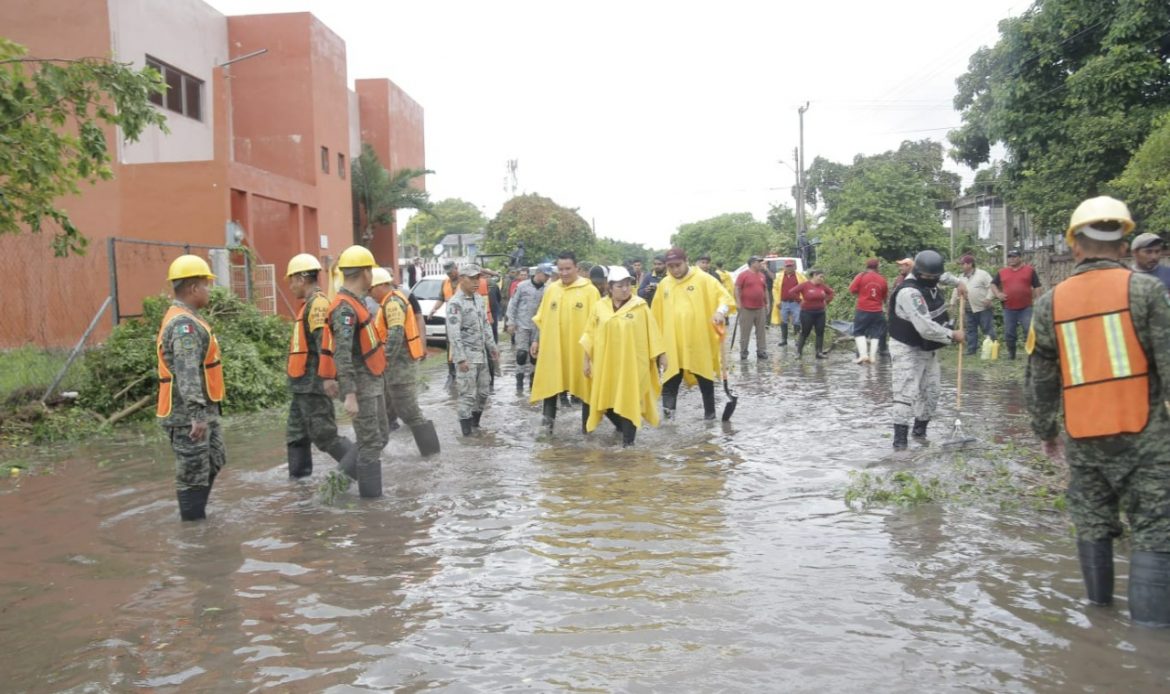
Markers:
point(429, 291)
point(775, 263)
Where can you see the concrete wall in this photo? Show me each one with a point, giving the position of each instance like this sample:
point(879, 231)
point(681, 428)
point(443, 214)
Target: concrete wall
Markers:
point(331, 129)
point(189, 35)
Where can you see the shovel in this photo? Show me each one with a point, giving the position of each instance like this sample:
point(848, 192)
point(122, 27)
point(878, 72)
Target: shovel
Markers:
point(957, 439)
point(732, 399)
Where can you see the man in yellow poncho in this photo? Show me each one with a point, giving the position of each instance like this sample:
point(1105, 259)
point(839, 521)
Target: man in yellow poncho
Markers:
point(688, 305)
point(560, 321)
point(623, 356)
point(728, 284)
point(785, 311)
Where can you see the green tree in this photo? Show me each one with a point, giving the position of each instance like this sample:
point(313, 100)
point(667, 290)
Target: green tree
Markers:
point(449, 216)
point(841, 255)
point(1071, 90)
point(378, 193)
point(782, 219)
point(1145, 183)
point(544, 227)
point(613, 252)
point(731, 238)
point(53, 115)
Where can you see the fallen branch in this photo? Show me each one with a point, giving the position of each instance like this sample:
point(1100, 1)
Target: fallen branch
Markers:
point(130, 387)
point(126, 412)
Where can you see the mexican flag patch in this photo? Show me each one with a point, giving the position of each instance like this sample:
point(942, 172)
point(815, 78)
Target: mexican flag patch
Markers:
point(348, 320)
point(186, 329)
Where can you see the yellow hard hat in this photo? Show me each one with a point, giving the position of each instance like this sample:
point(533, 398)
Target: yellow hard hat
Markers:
point(356, 256)
point(303, 262)
point(1100, 209)
point(381, 276)
point(188, 266)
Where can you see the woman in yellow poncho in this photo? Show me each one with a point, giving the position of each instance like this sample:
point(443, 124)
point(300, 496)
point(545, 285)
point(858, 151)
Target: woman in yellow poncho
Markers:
point(623, 355)
point(688, 305)
point(560, 321)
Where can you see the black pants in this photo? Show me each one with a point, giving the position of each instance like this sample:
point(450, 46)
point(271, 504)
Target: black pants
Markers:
point(706, 389)
point(550, 408)
point(808, 321)
point(625, 426)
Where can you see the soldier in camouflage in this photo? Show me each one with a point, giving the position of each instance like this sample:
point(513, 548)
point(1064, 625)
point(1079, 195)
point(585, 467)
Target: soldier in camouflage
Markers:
point(191, 387)
point(311, 418)
point(359, 364)
point(521, 308)
point(1098, 396)
point(401, 379)
point(470, 339)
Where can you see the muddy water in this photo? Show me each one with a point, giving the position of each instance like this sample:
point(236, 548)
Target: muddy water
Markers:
point(708, 558)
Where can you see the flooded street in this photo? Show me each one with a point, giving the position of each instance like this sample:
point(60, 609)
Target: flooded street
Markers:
point(706, 558)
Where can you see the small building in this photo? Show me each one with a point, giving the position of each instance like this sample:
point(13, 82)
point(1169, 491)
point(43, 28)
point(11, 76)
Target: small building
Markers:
point(461, 245)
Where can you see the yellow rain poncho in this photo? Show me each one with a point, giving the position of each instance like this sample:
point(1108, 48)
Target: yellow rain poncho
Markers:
point(683, 309)
point(729, 285)
point(561, 319)
point(624, 346)
point(776, 298)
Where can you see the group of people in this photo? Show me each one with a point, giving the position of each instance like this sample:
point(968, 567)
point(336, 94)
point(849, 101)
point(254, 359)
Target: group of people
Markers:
point(1098, 346)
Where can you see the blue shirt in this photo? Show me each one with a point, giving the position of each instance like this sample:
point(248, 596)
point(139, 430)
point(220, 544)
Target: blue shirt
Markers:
point(1162, 272)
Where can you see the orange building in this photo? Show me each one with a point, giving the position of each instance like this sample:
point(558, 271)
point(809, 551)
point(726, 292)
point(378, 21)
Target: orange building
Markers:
point(260, 145)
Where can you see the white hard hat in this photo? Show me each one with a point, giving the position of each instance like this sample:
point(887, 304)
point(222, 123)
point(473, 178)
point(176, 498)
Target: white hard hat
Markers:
point(617, 273)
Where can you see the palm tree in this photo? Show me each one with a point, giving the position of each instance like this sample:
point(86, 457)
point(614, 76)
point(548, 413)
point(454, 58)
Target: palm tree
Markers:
point(377, 193)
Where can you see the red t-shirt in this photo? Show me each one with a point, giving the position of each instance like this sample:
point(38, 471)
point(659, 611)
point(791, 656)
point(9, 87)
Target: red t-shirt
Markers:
point(871, 290)
point(812, 297)
point(1017, 284)
point(787, 284)
point(753, 290)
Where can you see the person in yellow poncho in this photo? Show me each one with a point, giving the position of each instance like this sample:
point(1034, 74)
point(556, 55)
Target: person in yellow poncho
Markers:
point(688, 306)
point(728, 284)
point(786, 311)
point(623, 356)
point(560, 322)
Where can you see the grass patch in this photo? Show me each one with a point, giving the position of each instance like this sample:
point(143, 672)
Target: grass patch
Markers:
point(32, 368)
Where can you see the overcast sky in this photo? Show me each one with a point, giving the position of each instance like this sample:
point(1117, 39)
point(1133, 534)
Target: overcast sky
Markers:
point(646, 115)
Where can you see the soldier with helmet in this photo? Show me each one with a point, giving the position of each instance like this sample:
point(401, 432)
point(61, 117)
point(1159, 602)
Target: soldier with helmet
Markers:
point(1099, 351)
point(311, 419)
point(917, 324)
point(352, 355)
point(190, 386)
point(402, 332)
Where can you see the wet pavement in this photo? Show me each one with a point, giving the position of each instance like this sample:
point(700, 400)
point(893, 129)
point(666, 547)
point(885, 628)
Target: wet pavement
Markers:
point(709, 557)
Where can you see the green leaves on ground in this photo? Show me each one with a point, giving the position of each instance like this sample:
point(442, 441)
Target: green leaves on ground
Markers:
point(54, 116)
point(1071, 89)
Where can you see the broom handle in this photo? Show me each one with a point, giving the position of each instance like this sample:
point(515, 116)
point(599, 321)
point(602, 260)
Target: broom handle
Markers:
point(962, 349)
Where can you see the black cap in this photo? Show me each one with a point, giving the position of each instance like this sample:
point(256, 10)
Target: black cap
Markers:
point(705, 256)
point(1013, 253)
point(753, 259)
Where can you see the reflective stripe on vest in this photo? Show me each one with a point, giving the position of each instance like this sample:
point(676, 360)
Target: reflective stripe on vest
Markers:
point(1104, 370)
point(300, 344)
point(368, 347)
point(394, 315)
point(213, 386)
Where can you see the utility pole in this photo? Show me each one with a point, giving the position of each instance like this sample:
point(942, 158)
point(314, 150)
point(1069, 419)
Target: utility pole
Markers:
point(801, 225)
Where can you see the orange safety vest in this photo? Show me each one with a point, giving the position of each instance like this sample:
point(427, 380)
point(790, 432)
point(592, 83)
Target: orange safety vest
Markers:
point(212, 367)
point(409, 324)
point(1105, 372)
point(298, 348)
point(449, 291)
point(368, 343)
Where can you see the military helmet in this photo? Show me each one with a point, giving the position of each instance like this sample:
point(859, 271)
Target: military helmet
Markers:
point(928, 262)
point(303, 262)
point(188, 266)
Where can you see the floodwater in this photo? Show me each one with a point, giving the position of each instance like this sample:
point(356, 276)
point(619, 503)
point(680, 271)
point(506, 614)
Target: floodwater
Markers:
point(707, 558)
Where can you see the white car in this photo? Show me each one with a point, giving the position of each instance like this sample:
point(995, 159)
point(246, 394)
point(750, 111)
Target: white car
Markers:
point(429, 291)
point(775, 263)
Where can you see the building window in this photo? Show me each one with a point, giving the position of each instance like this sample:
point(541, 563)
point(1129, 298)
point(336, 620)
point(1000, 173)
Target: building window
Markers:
point(184, 93)
point(325, 160)
point(340, 165)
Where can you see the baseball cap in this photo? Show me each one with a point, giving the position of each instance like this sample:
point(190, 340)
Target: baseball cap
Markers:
point(545, 268)
point(598, 272)
point(675, 254)
point(1013, 253)
point(872, 264)
point(617, 273)
point(753, 259)
point(705, 256)
point(790, 263)
point(1145, 240)
point(469, 270)
point(967, 259)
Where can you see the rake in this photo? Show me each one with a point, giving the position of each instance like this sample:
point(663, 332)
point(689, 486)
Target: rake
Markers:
point(958, 439)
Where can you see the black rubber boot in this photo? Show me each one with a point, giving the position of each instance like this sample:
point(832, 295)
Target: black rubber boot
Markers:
point(669, 404)
point(348, 462)
point(707, 390)
point(783, 334)
point(369, 479)
point(393, 424)
point(475, 417)
point(425, 438)
point(300, 459)
point(520, 383)
point(901, 435)
point(1149, 589)
point(339, 448)
point(1012, 351)
point(549, 413)
point(919, 431)
point(465, 426)
point(584, 416)
point(1097, 569)
point(566, 401)
point(193, 503)
point(629, 431)
point(799, 346)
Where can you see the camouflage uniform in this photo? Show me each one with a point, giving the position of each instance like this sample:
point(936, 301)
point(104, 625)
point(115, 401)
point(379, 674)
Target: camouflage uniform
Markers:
point(311, 415)
point(370, 426)
point(916, 380)
point(521, 308)
point(1126, 471)
point(401, 378)
point(470, 338)
point(184, 342)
